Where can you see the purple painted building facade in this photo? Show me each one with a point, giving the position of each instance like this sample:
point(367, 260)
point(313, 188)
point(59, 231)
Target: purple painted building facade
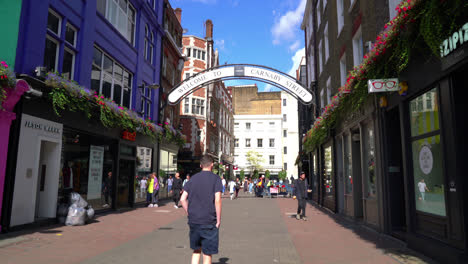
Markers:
point(110, 46)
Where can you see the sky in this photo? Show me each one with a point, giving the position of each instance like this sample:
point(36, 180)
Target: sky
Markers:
point(263, 32)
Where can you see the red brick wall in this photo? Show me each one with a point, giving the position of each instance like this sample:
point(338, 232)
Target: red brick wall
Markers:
point(199, 43)
point(199, 64)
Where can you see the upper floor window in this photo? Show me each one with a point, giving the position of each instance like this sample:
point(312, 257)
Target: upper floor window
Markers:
point(247, 125)
point(121, 14)
point(272, 142)
point(149, 44)
point(186, 105)
point(340, 15)
point(318, 13)
point(259, 142)
point(60, 49)
point(285, 118)
point(236, 143)
point(358, 47)
point(111, 79)
point(284, 102)
point(343, 71)
point(285, 133)
point(272, 159)
point(285, 150)
point(146, 102)
point(247, 142)
point(326, 43)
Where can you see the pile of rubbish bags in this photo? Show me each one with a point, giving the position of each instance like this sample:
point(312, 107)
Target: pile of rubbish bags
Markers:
point(77, 213)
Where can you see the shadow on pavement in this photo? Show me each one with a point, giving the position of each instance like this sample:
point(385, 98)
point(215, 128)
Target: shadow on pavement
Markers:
point(222, 261)
point(389, 245)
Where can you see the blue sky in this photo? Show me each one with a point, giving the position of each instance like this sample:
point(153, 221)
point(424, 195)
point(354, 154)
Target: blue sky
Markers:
point(265, 32)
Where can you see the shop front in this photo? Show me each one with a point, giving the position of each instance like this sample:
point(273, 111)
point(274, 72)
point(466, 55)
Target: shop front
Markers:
point(168, 166)
point(425, 148)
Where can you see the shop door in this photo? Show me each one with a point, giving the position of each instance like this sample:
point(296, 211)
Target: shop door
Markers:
point(126, 183)
point(47, 180)
point(396, 183)
point(357, 172)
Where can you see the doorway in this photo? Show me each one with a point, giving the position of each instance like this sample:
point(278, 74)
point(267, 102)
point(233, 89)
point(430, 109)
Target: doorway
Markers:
point(356, 172)
point(396, 183)
point(46, 196)
point(126, 183)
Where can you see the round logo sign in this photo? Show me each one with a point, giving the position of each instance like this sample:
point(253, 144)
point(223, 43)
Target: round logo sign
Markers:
point(426, 160)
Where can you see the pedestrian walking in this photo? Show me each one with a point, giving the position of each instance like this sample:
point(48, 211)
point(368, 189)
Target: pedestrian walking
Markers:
point(176, 190)
point(237, 186)
point(422, 189)
point(149, 192)
point(107, 189)
point(170, 180)
point(251, 185)
point(143, 187)
point(223, 181)
point(201, 200)
point(187, 178)
point(246, 186)
point(155, 196)
point(232, 188)
point(300, 193)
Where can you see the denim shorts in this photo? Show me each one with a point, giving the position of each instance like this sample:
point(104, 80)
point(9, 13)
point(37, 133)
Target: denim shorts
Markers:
point(204, 237)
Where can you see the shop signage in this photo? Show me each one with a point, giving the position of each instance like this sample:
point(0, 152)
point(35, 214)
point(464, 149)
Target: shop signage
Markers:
point(96, 161)
point(383, 85)
point(455, 41)
point(426, 160)
point(43, 127)
point(241, 71)
point(131, 136)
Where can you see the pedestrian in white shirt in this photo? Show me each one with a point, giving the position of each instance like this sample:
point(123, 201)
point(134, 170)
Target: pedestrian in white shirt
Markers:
point(232, 188)
point(223, 181)
point(422, 189)
point(143, 183)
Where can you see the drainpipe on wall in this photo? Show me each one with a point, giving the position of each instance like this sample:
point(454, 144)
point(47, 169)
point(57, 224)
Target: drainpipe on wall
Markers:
point(6, 117)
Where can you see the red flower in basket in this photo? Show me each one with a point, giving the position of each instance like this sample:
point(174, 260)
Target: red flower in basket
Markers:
point(283, 186)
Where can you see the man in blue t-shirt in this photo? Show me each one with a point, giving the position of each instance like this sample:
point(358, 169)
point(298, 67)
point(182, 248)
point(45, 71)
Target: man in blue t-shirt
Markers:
point(201, 200)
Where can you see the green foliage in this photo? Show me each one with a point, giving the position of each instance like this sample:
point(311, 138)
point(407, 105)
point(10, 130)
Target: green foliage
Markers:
point(282, 175)
point(242, 174)
point(267, 174)
point(255, 160)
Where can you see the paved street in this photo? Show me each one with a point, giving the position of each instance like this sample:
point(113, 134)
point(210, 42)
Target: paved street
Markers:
point(253, 230)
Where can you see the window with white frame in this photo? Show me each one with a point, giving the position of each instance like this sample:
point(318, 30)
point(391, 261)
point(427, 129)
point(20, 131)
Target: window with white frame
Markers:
point(284, 102)
point(326, 43)
point(54, 48)
point(198, 106)
point(247, 125)
point(188, 51)
point(272, 159)
point(121, 14)
point(285, 166)
point(247, 142)
point(358, 47)
point(236, 143)
point(186, 105)
point(149, 44)
point(318, 13)
point(110, 79)
point(272, 142)
point(328, 90)
point(320, 56)
point(260, 142)
point(343, 71)
point(285, 118)
point(146, 102)
point(340, 15)
point(199, 132)
point(285, 150)
point(285, 133)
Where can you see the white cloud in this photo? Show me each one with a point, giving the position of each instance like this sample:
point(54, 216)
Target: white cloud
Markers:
point(286, 26)
point(268, 88)
point(294, 46)
point(219, 43)
point(205, 1)
point(296, 60)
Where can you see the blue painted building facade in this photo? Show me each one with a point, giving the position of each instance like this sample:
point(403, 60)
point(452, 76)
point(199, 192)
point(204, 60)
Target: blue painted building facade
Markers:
point(112, 47)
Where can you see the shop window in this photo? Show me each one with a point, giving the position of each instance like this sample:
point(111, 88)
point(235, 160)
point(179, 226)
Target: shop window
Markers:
point(427, 156)
point(60, 44)
point(327, 172)
point(110, 79)
point(272, 142)
point(260, 142)
point(87, 165)
point(121, 14)
point(348, 167)
point(369, 161)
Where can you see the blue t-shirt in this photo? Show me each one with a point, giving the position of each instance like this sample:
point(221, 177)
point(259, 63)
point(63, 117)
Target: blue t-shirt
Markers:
point(201, 191)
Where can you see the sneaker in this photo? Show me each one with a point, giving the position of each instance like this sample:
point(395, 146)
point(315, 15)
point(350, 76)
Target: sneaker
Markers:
point(155, 205)
point(304, 218)
point(105, 206)
point(150, 205)
point(175, 206)
point(298, 217)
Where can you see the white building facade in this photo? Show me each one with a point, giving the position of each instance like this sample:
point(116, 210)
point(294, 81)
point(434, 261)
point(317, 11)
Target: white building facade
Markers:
point(289, 134)
point(260, 133)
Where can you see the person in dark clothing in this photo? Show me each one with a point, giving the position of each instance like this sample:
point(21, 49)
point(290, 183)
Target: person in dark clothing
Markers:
point(300, 193)
point(201, 200)
point(176, 190)
point(107, 188)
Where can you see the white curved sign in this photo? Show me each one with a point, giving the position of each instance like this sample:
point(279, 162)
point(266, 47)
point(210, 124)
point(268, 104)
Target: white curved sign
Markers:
point(253, 72)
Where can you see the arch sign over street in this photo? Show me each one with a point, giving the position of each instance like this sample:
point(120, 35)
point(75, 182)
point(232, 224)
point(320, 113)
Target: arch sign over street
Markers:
point(240, 71)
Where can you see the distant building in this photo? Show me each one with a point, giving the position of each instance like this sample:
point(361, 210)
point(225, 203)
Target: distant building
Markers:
point(206, 114)
point(265, 122)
